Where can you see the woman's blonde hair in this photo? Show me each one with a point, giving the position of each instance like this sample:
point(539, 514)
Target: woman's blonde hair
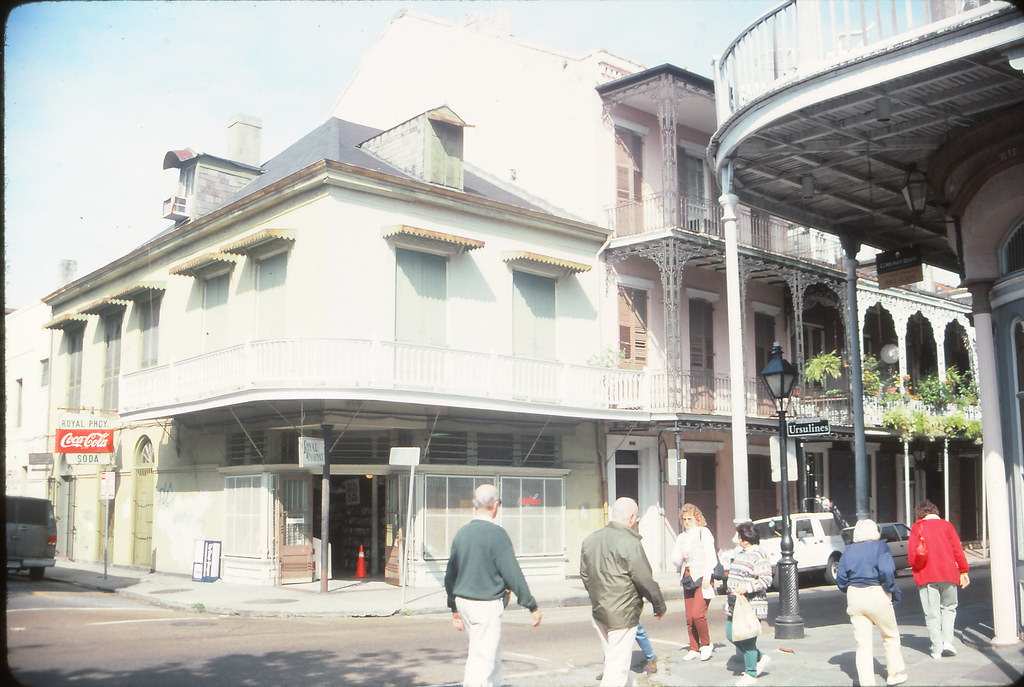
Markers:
point(691, 509)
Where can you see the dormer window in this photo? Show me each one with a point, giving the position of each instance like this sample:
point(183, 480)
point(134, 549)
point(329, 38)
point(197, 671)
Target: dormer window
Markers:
point(178, 207)
point(428, 147)
point(444, 153)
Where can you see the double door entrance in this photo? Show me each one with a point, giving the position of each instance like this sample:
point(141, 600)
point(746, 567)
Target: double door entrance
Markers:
point(363, 512)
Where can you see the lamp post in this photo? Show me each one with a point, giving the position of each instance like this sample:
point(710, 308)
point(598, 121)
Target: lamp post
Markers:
point(779, 376)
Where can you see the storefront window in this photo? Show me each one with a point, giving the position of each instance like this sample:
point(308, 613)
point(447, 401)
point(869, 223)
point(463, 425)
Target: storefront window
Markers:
point(532, 512)
point(243, 515)
point(448, 506)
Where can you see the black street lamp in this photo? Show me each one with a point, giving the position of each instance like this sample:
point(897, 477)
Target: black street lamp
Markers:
point(779, 376)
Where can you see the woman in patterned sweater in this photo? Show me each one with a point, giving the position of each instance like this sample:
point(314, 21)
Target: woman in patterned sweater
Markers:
point(750, 574)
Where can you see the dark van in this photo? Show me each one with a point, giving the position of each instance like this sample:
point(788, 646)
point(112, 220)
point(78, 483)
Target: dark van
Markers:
point(31, 535)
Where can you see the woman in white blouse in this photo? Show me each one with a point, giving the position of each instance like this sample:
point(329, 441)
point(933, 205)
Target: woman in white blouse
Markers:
point(695, 558)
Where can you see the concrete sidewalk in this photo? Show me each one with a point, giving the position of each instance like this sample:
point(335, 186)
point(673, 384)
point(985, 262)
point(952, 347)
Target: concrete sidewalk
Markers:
point(825, 656)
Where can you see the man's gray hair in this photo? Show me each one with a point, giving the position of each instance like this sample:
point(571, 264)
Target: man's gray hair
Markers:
point(485, 496)
point(622, 509)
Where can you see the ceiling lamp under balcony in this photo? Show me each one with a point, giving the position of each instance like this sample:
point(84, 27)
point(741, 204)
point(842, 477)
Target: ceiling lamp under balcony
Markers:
point(915, 190)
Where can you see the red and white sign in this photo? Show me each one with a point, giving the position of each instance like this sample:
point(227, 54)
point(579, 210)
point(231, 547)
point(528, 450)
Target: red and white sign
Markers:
point(85, 441)
point(81, 433)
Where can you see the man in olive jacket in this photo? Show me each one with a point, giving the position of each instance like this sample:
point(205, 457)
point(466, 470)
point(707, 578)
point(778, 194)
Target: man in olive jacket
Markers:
point(617, 576)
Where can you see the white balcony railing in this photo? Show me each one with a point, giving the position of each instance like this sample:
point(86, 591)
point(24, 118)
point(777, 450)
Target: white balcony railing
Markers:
point(304, 366)
point(804, 37)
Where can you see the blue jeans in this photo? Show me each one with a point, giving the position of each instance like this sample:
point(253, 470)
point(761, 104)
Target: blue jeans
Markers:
point(645, 644)
point(748, 647)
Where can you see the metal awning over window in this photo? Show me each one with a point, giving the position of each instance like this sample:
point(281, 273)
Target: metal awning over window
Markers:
point(104, 305)
point(265, 241)
point(429, 241)
point(205, 264)
point(68, 320)
point(542, 265)
point(141, 291)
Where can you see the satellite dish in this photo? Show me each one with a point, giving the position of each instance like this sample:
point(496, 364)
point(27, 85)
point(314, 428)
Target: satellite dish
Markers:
point(890, 353)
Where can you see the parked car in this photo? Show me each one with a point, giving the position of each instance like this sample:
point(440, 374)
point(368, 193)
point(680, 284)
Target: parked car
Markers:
point(895, 535)
point(31, 535)
point(817, 543)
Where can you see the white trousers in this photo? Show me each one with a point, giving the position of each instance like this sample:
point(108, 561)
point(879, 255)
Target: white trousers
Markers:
point(617, 646)
point(871, 607)
point(482, 622)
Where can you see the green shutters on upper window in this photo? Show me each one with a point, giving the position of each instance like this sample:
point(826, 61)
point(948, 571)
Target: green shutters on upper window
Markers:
point(74, 339)
point(215, 320)
point(271, 307)
point(420, 296)
point(444, 154)
point(149, 329)
point(111, 357)
point(533, 312)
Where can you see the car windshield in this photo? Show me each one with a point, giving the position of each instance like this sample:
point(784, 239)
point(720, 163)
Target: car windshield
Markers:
point(769, 529)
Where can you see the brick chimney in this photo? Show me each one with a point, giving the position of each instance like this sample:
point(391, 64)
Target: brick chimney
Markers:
point(244, 139)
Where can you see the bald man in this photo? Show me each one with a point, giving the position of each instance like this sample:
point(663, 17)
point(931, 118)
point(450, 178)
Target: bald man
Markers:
point(482, 566)
point(618, 577)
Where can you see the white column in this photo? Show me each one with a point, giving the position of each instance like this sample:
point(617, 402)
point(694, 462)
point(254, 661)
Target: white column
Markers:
point(1004, 620)
point(737, 381)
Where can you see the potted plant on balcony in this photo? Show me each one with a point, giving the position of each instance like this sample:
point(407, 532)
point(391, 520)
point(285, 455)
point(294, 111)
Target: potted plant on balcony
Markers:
point(823, 367)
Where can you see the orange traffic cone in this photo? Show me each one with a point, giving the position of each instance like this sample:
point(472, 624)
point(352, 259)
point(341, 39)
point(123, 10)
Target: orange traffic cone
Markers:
point(361, 563)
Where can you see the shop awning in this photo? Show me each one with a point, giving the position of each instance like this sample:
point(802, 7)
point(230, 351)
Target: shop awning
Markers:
point(429, 241)
point(68, 320)
point(104, 305)
point(264, 241)
point(141, 291)
point(543, 265)
point(204, 264)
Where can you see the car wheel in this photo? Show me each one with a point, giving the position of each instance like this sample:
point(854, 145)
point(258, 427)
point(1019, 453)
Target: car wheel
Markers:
point(36, 573)
point(832, 570)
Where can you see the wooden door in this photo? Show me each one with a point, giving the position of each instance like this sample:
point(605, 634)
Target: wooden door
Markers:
point(295, 518)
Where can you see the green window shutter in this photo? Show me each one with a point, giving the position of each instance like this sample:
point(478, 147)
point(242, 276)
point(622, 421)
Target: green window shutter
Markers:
point(533, 311)
point(420, 295)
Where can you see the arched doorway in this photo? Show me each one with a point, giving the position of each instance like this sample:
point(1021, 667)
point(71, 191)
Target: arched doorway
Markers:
point(142, 513)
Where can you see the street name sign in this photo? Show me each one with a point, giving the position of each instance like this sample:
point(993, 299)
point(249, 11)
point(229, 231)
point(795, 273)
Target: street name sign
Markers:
point(808, 427)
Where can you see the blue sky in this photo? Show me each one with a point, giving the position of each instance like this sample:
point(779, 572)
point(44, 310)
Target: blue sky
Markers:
point(96, 92)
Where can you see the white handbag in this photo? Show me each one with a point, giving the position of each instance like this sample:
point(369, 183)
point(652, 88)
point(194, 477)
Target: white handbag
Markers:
point(745, 623)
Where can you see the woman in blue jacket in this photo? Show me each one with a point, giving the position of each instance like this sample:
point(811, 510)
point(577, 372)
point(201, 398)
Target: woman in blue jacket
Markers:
point(867, 575)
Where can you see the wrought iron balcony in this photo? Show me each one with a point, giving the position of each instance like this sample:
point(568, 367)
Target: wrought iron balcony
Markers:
point(704, 217)
point(804, 37)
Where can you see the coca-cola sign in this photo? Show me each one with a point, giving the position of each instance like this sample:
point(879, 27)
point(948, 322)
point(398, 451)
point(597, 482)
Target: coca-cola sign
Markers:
point(80, 433)
point(85, 441)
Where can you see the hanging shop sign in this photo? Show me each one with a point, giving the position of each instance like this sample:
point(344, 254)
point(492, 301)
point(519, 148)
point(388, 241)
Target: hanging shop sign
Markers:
point(311, 452)
point(899, 267)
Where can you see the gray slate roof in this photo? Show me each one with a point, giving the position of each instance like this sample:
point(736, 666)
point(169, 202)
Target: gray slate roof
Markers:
point(337, 140)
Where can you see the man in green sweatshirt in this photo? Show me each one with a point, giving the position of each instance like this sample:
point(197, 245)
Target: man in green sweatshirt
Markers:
point(482, 566)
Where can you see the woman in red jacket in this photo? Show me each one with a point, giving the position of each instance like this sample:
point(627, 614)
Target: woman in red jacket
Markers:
point(940, 566)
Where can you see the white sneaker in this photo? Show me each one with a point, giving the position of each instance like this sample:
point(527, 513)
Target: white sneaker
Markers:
point(746, 680)
point(690, 655)
point(948, 650)
point(762, 663)
point(705, 652)
point(897, 679)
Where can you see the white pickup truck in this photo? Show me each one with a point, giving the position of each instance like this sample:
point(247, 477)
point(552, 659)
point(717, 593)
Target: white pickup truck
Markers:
point(817, 543)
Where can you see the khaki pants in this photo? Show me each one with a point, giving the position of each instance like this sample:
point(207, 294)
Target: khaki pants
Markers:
point(482, 620)
point(867, 607)
point(617, 646)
